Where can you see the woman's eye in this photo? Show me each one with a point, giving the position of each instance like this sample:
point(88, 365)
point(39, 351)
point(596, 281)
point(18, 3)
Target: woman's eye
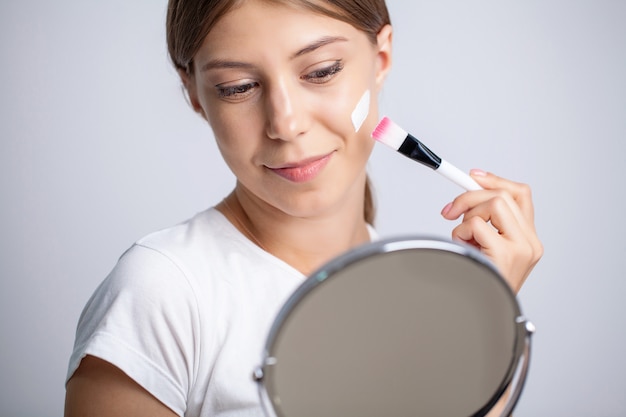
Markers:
point(236, 91)
point(323, 75)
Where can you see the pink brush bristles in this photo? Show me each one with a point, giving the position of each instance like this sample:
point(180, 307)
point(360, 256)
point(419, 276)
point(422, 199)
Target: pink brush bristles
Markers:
point(389, 133)
point(381, 128)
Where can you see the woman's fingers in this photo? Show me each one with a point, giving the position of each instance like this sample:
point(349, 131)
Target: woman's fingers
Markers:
point(520, 192)
point(499, 220)
point(514, 257)
point(499, 213)
point(499, 200)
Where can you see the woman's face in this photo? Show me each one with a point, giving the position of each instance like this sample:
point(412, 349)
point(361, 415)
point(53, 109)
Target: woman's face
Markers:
point(279, 86)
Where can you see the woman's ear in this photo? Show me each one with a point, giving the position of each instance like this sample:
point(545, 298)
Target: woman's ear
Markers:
point(383, 66)
point(191, 91)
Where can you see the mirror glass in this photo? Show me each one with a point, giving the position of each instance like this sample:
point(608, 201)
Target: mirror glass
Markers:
point(394, 332)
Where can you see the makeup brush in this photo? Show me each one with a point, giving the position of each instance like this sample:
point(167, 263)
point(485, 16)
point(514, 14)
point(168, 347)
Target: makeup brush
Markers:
point(395, 137)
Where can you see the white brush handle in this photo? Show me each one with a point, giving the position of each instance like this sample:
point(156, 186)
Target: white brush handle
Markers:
point(457, 176)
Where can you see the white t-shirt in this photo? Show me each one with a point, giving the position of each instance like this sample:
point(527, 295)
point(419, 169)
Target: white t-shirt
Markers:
point(186, 313)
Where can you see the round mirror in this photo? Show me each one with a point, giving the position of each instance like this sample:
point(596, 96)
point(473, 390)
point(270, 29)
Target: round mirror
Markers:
point(400, 327)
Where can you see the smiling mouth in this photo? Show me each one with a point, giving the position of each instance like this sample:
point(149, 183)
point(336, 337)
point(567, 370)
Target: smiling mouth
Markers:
point(302, 171)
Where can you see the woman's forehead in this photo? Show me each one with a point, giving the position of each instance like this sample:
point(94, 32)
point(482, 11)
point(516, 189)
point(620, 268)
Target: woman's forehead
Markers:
point(266, 24)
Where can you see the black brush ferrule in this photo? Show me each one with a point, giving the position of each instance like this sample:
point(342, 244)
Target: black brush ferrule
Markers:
point(417, 151)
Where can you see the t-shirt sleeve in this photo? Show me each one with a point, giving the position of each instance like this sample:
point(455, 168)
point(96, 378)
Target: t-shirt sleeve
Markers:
point(144, 319)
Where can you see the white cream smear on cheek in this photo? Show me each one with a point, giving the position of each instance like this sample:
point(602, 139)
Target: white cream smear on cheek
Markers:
point(361, 110)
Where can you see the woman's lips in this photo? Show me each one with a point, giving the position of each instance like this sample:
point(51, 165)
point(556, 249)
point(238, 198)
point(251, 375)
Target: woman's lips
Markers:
point(302, 171)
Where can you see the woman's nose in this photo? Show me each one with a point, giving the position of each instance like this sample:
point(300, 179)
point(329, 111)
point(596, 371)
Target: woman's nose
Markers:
point(286, 114)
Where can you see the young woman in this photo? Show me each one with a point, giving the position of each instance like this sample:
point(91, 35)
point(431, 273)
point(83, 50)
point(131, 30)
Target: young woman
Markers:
point(179, 324)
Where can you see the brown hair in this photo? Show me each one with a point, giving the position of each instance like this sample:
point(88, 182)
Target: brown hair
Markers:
point(189, 22)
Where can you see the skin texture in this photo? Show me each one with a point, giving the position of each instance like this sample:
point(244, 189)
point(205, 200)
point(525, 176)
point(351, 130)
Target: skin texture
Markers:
point(278, 92)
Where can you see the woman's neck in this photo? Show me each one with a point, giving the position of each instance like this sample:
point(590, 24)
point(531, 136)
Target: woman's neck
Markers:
point(304, 243)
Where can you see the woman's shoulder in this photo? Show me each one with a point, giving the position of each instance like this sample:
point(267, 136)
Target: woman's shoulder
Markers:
point(205, 228)
point(203, 249)
point(185, 251)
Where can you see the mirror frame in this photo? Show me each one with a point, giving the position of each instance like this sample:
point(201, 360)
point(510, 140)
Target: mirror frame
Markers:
point(517, 373)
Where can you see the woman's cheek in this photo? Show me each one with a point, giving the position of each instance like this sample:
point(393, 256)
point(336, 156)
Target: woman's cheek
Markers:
point(361, 111)
point(346, 111)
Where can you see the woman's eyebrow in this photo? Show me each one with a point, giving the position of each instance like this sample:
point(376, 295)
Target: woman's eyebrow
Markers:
point(318, 44)
point(224, 64)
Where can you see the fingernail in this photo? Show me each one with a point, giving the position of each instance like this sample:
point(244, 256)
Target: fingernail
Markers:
point(446, 209)
point(478, 172)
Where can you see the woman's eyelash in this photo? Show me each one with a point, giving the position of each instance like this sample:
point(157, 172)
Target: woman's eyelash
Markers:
point(235, 90)
point(325, 74)
point(319, 76)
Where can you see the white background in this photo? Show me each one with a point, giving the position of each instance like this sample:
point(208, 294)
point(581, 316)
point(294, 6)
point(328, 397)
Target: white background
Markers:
point(98, 147)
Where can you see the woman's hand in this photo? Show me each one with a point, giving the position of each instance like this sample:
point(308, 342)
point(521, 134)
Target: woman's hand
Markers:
point(499, 220)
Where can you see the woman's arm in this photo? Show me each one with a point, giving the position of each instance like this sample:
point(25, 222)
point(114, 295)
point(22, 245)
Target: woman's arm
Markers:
point(100, 389)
